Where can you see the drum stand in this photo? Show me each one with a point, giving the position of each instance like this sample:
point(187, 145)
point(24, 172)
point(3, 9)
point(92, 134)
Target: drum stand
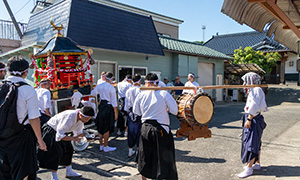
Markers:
point(194, 132)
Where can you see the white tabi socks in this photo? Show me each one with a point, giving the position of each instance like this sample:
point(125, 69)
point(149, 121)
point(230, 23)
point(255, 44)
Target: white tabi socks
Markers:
point(108, 149)
point(247, 172)
point(101, 147)
point(54, 176)
point(71, 173)
point(131, 152)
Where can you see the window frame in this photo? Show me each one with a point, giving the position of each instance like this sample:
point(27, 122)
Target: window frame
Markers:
point(98, 62)
point(133, 67)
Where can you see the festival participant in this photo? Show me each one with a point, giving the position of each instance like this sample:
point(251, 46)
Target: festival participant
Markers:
point(18, 152)
point(107, 111)
point(60, 149)
point(168, 84)
point(44, 97)
point(161, 84)
point(156, 156)
point(178, 83)
point(2, 70)
point(122, 88)
point(134, 121)
point(102, 79)
point(190, 83)
point(253, 125)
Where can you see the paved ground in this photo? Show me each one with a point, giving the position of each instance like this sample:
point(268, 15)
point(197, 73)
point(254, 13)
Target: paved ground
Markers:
point(214, 158)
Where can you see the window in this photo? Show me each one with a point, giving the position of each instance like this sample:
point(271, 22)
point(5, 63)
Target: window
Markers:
point(101, 66)
point(291, 63)
point(124, 70)
point(139, 70)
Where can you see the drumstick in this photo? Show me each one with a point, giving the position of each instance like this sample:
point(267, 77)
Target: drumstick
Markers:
point(203, 87)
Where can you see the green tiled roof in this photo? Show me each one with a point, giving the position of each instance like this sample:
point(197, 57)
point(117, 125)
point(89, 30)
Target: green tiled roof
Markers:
point(190, 48)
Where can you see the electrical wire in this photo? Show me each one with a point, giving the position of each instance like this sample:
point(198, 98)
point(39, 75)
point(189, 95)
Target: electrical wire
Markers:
point(22, 7)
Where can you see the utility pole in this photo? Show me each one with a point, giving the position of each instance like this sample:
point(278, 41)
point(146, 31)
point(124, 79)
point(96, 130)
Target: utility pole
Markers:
point(13, 18)
point(203, 28)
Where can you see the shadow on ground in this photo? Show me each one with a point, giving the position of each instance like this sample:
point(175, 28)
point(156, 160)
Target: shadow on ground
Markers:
point(276, 96)
point(182, 156)
point(280, 171)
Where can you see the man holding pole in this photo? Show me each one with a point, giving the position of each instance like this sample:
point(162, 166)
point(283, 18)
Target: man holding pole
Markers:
point(156, 156)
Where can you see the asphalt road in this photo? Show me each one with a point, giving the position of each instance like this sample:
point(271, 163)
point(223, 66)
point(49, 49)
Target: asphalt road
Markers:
point(214, 158)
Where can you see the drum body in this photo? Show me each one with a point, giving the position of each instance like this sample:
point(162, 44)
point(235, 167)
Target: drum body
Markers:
point(195, 108)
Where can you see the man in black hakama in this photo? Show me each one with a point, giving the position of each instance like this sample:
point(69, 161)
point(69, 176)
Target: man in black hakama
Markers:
point(18, 159)
point(122, 122)
point(107, 111)
point(134, 121)
point(156, 156)
point(60, 149)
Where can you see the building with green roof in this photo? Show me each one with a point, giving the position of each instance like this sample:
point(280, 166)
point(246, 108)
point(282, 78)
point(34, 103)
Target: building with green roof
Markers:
point(124, 39)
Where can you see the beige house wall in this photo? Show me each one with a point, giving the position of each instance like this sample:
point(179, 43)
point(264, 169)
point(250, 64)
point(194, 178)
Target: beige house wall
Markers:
point(167, 29)
point(8, 44)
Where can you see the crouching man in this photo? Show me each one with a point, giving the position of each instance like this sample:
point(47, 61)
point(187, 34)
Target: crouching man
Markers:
point(60, 150)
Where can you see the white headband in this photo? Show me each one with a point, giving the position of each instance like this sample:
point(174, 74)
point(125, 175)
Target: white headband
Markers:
point(191, 75)
point(45, 82)
point(149, 81)
point(84, 115)
point(137, 82)
point(109, 78)
point(18, 72)
point(2, 69)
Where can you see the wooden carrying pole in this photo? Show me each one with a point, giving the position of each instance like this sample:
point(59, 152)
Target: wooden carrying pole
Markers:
point(203, 87)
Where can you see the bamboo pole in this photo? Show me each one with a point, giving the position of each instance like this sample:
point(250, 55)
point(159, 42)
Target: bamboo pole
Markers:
point(203, 87)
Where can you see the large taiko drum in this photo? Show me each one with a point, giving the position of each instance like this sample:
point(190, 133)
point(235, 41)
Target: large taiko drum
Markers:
point(195, 108)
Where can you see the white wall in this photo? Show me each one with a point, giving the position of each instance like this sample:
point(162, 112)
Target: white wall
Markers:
point(292, 57)
point(206, 76)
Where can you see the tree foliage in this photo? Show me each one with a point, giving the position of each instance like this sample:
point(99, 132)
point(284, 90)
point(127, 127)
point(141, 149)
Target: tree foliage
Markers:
point(199, 42)
point(266, 61)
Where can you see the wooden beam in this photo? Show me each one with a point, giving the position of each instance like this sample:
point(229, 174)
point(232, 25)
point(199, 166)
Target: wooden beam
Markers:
point(273, 8)
point(284, 17)
point(267, 6)
point(287, 27)
point(295, 7)
point(256, 1)
point(203, 87)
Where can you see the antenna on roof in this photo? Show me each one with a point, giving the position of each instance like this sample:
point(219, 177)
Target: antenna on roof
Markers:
point(203, 28)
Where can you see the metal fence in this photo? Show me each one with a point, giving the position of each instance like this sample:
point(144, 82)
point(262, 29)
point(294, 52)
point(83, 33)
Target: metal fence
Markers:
point(8, 30)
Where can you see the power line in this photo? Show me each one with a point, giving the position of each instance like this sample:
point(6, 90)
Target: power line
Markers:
point(22, 7)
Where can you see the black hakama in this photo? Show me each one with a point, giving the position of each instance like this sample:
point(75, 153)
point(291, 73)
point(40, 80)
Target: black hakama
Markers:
point(251, 138)
point(44, 118)
point(134, 129)
point(122, 115)
point(105, 117)
point(18, 156)
point(58, 152)
point(156, 156)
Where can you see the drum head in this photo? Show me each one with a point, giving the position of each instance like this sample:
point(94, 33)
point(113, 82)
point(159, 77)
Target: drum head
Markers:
point(203, 109)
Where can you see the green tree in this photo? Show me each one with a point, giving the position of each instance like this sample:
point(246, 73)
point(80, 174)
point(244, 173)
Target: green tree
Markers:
point(199, 42)
point(266, 61)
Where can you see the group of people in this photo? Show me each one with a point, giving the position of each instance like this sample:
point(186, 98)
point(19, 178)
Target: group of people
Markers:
point(19, 158)
point(190, 83)
point(145, 114)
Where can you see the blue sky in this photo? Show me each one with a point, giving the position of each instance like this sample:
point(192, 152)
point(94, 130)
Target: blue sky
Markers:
point(194, 13)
